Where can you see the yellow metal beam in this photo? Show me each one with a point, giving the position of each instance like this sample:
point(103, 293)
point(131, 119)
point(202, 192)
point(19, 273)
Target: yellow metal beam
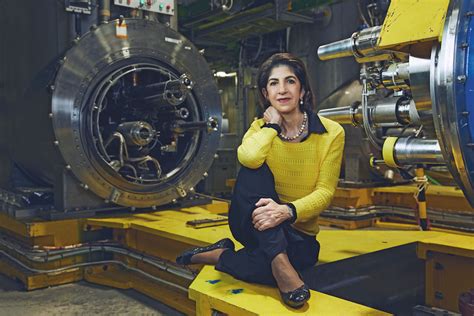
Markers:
point(113, 276)
point(214, 290)
point(45, 233)
point(412, 21)
point(449, 269)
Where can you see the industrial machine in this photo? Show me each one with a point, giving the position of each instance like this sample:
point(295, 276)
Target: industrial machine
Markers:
point(415, 107)
point(103, 106)
point(415, 100)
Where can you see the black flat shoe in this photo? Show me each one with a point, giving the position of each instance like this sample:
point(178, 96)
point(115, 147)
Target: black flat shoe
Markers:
point(296, 298)
point(185, 257)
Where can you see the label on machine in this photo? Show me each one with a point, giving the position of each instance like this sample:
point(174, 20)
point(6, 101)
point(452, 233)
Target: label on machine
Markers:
point(158, 6)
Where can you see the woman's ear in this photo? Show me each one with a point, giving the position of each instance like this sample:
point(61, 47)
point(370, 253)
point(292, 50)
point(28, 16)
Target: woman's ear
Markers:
point(302, 93)
point(265, 93)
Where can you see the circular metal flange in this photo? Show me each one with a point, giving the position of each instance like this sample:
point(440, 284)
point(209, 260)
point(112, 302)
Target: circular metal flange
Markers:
point(452, 96)
point(98, 55)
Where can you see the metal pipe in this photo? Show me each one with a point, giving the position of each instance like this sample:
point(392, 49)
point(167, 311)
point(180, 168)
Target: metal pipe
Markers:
point(360, 44)
point(418, 151)
point(104, 11)
point(342, 48)
point(344, 115)
point(411, 151)
point(137, 133)
point(395, 111)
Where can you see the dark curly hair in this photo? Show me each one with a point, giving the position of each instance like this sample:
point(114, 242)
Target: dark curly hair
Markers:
point(297, 66)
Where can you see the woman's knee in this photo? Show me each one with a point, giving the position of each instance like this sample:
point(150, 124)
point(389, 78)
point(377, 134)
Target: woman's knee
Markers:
point(271, 241)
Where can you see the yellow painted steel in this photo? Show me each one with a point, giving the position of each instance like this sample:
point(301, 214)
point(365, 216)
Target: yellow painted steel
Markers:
point(39, 281)
point(170, 224)
point(45, 233)
point(113, 276)
point(453, 244)
point(438, 197)
point(214, 290)
point(449, 269)
point(388, 151)
point(165, 234)
point(412, 21)
point(337, 245)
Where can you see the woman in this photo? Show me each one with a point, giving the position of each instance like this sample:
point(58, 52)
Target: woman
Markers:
point(291, 161)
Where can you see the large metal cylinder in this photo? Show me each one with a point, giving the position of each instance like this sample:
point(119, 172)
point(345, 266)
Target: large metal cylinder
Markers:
point(360, 44)
point(77, 119)
point(411, 151)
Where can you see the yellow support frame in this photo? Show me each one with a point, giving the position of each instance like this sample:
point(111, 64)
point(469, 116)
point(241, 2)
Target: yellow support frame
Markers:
point(412, 21)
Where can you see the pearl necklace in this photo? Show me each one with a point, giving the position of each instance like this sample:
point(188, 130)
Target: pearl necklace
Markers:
point(300, 131)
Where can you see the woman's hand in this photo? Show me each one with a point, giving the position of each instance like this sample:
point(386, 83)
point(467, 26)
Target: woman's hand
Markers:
point(272, 116)
point(269, 214)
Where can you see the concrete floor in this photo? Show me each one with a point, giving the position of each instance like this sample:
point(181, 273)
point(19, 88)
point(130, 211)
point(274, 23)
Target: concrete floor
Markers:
point(80, 298)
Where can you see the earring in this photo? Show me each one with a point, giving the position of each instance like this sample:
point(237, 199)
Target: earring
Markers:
point(301, 101)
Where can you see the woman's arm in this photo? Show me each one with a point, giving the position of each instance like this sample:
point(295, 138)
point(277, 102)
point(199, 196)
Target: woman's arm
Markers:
point(311, 205)
point(256, 144)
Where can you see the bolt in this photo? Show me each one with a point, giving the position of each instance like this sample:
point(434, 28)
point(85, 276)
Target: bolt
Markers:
point(174, 201)
point(133, 209)
point(216, 156)
point(461, 78)
point(56, 143)
point(470, 13)
point(68, 167)
point(464, 45)
point(465, 113)
point(50, 115)
point(153, 207)
point(439, 295)
point(205, 174)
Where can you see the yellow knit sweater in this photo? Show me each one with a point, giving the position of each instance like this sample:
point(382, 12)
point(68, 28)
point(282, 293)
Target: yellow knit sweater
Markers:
point(306, 173)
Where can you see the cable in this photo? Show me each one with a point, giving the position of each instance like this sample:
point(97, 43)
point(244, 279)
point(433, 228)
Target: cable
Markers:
point(48, 256)
point(86, 264)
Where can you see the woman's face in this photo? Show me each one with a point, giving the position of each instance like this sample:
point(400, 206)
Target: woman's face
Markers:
point(283, 90)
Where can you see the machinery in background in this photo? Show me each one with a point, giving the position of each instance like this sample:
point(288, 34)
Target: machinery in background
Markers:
point(104, 106)
point(416, 105)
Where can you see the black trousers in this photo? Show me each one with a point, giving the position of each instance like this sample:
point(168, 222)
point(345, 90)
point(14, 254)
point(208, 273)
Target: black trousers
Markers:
point(253, 262)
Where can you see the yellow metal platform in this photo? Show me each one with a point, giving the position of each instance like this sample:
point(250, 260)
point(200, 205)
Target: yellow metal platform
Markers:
point(165, 234)
point(214, 290)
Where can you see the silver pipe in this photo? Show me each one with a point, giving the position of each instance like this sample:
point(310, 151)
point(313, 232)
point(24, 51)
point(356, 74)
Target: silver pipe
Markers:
point(384, 112)
point(342, 48)
point(87, 264)
point(344, 115)
point(410, 151)
point(360, 44)
point(49, 256)
point(393, 112)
